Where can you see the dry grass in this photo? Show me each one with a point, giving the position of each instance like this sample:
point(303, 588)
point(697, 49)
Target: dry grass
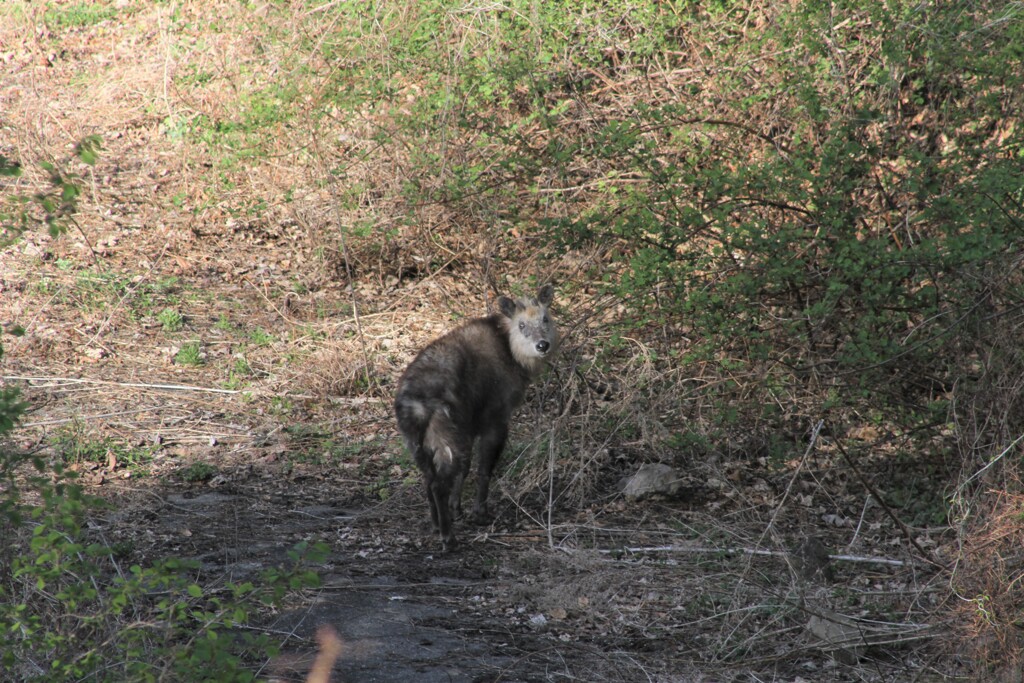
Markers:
point(987, 584)
point(988, 565)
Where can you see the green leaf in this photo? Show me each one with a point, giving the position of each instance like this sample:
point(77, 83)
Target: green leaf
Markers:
point(9, 168)
point(88, 148)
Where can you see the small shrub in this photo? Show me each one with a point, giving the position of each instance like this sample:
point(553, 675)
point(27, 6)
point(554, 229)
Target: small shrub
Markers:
point(190, 354)
point(170, 319)
point(198, 471)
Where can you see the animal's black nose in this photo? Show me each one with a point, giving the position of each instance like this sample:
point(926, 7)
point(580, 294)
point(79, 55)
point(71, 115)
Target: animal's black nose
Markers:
point(543, 346)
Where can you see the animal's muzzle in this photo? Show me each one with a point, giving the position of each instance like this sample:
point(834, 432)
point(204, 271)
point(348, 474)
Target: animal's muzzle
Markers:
point(543, 346)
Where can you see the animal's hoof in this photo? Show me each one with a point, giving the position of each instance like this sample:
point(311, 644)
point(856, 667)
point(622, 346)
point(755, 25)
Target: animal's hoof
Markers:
point(449, 545)
point(481, 517)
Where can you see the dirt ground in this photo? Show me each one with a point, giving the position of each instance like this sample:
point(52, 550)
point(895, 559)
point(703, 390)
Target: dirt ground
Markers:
point(285, 401)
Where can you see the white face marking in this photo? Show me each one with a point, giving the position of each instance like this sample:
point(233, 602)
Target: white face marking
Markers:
point(532, 334)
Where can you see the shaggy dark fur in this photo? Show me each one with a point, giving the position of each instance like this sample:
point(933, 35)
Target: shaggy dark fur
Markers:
point(461, 389)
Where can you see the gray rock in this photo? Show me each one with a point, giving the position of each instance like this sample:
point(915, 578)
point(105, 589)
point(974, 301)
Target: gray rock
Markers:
point(653, 479)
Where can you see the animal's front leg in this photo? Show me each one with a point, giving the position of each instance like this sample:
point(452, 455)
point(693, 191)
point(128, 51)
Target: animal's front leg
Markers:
point(456, 494)
point(492, 443)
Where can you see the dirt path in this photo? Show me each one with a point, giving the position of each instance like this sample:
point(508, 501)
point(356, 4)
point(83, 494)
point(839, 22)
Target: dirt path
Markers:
point(502, 608)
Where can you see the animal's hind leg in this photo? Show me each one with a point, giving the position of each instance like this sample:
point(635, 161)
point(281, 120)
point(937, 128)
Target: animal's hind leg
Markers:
point(492, 443)
point(438, 497)
point(413, 421)
point(428, 480)
point(449, 449)
point(440, 494)
point(460, 479)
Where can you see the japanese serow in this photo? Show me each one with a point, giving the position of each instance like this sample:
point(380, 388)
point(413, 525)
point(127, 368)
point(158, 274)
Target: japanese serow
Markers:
point(461, 389)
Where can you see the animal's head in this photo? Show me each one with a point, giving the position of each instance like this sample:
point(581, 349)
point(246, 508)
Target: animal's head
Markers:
point(532, 333)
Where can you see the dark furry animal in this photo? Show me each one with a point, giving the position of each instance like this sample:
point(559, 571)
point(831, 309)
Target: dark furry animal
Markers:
point(461, 389)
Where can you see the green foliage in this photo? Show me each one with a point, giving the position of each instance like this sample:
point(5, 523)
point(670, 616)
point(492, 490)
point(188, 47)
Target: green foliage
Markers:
point(170, 319)
point(198, 471)
point(72, 610)
point(11, 409)
point(824, 200)
point(190, 354)
point(832, 211)
point(54, 206)
point(79, 14)
point(11, 406)
point(239, 374)
point(260, 337)
point(822, 203)
point(224, 323)
point(97, 289)
point(75, 446)
point(281, 406)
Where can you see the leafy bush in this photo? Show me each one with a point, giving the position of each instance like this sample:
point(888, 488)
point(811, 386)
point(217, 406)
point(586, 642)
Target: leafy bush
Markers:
point(830, 200)
point(816, 205)
point(73, 611)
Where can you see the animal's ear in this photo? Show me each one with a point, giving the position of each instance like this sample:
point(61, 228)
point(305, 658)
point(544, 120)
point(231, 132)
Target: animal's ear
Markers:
point(506, 306)
point(545, 294)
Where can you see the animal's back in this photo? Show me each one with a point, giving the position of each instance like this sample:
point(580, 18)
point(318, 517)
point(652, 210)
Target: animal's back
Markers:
point(468, 373)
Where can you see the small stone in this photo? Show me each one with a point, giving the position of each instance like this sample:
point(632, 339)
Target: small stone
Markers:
point(650, 480)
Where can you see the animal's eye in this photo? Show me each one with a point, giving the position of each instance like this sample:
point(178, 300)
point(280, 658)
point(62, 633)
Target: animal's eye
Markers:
point(545, 320)
point(522, 326)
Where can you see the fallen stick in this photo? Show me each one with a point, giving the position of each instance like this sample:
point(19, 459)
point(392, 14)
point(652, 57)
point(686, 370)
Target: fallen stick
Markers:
point(135, 385)
point(745, 551)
